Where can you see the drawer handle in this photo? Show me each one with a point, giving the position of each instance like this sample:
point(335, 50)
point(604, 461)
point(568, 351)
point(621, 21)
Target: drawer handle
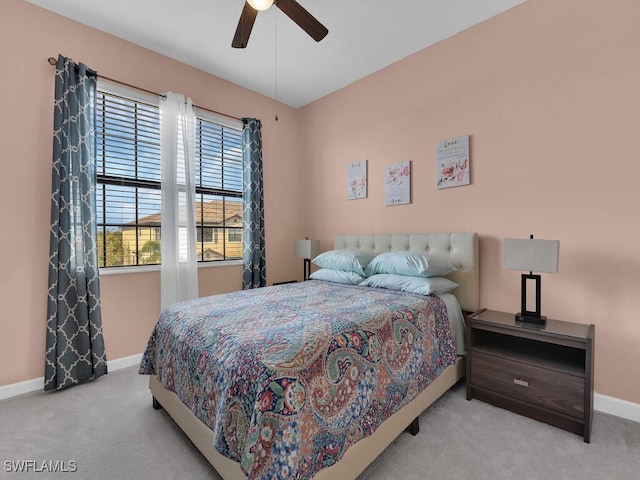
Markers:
point(522, 383)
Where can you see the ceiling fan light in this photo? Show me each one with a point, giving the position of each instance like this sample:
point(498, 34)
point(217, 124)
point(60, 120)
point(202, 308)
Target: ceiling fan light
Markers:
point(260, 4)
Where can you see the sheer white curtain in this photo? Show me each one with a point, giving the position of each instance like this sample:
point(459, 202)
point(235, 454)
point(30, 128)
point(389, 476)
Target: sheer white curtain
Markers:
point(179, 270)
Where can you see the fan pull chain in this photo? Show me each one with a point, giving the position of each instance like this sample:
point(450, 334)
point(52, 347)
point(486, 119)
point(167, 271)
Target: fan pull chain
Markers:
point(276, 60)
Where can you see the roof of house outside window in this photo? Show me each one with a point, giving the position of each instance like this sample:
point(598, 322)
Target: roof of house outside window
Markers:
point(209, 214)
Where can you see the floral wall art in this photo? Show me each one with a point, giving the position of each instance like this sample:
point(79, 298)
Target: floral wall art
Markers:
point(397, 183)
point(357, 180)
point(452, 162)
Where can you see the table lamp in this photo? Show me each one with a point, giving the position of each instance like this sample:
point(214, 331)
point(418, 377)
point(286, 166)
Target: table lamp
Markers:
point(532, 255)
point(307, 249)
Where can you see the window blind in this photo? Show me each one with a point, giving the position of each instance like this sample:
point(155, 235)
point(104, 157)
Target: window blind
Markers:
point(128, 191)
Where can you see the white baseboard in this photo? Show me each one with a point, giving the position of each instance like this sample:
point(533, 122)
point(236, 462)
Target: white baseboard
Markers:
point(15, 389)
point(120, 363)
point(617, 407)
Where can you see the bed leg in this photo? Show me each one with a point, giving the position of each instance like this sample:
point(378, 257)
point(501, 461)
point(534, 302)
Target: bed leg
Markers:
point(414, 427)
point(156, 404)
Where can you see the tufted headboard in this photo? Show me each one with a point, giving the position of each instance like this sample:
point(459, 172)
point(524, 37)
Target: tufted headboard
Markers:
point(462, 248)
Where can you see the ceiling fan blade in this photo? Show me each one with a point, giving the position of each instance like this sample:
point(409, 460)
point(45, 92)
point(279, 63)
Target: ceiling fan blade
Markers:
point(304, 19)
point(245, 24)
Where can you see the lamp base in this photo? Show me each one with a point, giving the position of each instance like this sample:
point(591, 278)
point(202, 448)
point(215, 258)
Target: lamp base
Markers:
point(541, 320)
point(307, 269)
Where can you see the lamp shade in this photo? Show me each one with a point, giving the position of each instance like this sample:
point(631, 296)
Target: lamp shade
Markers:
point(531, 254)
point(307, 248)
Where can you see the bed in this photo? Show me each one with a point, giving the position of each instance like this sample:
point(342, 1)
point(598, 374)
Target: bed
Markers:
point(282, 421)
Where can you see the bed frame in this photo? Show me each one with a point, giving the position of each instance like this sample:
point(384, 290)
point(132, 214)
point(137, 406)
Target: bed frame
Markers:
point(462, 248)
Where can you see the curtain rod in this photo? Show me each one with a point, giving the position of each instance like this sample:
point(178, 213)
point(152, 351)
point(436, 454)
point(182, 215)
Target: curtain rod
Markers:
point(53, 61)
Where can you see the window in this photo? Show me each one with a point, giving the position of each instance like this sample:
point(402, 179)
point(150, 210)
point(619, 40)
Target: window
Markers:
point(128, 193)
point(218, 188)
point(235, 235)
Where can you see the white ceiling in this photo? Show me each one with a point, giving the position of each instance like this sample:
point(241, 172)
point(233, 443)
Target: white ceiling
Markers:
point(364, 36)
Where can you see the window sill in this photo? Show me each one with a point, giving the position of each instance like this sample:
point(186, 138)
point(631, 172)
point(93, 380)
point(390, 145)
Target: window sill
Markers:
point(156, 268)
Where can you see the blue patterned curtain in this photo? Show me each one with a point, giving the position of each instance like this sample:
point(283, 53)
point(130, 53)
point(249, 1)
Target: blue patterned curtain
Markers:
point(253, 254)
point(75, 346)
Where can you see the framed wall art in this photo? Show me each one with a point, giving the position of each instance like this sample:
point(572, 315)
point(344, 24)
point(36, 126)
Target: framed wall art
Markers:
point(357, 180)
point(397, 183)
point(452, 162)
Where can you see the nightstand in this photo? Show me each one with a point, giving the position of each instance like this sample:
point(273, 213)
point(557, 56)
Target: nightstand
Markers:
point(544, 372)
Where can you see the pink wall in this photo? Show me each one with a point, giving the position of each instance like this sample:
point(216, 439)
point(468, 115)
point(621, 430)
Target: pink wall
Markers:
point(130, 302)
point(549, 92)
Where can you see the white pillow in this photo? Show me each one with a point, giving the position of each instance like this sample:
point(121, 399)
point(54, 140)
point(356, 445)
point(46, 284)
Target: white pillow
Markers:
point(421, 285)
point(411, 264)
point(338, 276)
point(345, 260)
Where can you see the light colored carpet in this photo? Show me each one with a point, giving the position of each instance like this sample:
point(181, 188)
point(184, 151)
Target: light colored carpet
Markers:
point(110, 430)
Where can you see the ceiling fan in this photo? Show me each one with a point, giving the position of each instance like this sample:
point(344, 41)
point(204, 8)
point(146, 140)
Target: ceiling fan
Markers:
point(291, 8)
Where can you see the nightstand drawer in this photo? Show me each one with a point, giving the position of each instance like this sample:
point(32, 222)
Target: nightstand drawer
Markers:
point(546, 388)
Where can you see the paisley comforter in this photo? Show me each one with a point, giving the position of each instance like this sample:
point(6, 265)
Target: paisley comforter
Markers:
point(288, 377)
